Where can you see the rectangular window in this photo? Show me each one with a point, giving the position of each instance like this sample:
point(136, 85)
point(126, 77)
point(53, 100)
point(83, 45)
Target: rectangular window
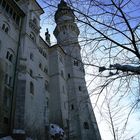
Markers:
point(80, 88)
point(75, 63)
point(72, 107)
point(69, 75)
point(86, 125)
point(7, 55)
point(31, 73)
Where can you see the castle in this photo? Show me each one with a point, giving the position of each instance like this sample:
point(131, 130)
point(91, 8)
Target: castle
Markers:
point(42, 84)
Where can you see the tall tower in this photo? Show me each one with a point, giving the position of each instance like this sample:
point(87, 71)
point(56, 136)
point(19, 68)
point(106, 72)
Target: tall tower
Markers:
point(81, 121)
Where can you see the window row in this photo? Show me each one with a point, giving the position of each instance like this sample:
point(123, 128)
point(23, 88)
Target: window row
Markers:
point(5, 27)
point(32, 87)
point(10, 11)
point(45, 69)
point(85, 124)
point(9, 56)
point(66, 27)
point(31, 72)
point(32, 36)
point(33, 25)
point(81, 67)
point(42, 52)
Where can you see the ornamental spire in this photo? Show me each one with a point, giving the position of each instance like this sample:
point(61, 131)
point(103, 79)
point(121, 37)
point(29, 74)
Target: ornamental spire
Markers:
point(62, 4)
point(64, 9)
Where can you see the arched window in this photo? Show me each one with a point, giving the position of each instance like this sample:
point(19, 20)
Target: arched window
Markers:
point(7, 54)
point(62, 74)
point(10, 55)
point(72, 107)
point(31, 88)
point(86, 125)
point(46, 85)
point(69, 75)
point(40, 66)
point(35, 21)
point(11, 58)
point(46, 70)
point(31, 56)
point(5, 27)
point(32, 36)
point(75, 63)
point(80, 88)
point(6, 30)
point(31, 73)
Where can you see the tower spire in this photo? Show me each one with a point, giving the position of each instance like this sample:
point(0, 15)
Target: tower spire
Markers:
point(62, 4)
point(62, 1)
point(65, 19)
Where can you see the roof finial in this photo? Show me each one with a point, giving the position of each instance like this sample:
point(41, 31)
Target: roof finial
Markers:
point(62, 4)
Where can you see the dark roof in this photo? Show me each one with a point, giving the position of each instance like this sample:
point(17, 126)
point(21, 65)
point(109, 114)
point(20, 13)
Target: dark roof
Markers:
point(42, 11)
point(16, 7)
point(58, 46)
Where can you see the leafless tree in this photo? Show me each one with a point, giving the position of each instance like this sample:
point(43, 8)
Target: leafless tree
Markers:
point(115, 117)
point(110, 39)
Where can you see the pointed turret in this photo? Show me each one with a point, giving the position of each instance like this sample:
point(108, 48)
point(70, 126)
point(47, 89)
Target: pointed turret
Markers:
point(80, 122)
point(66, 31)
point(64, 9)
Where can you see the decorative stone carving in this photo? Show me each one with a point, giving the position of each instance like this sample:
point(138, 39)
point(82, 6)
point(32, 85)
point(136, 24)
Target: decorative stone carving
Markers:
point(34, 27)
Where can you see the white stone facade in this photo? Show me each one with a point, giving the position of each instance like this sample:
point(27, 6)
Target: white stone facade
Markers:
point(42, 84)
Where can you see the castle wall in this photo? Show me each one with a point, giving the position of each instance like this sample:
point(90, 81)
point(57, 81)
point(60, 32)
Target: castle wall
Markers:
point(42, 84)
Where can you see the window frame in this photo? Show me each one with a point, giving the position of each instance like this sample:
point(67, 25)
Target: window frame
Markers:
point(31, 88)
